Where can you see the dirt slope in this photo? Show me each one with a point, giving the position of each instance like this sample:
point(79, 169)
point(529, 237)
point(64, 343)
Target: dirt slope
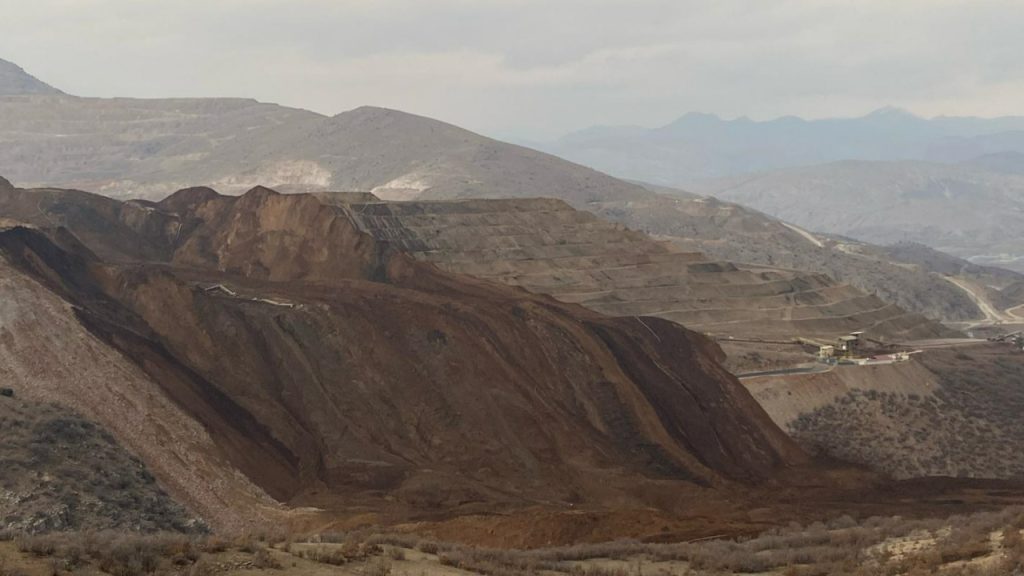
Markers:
point(335, 372)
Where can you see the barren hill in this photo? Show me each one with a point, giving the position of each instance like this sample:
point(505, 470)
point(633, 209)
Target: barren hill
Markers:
point(267, 335)
point(15, 81)
point(914, 276)
point(548, 247)
point(150, 148)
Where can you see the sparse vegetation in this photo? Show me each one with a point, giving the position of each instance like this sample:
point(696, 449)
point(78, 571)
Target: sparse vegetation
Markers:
point(969, 427)
point(981, 544)
point(63, 472)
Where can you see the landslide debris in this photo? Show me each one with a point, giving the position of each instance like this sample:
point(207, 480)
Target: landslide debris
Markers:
point(335, 371)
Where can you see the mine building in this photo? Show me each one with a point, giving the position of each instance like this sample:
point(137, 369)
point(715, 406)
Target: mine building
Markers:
point(848, 345)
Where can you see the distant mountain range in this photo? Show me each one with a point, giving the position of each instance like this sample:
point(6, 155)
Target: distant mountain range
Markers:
point(700, 146)
point(953, 183)
point(971, 212)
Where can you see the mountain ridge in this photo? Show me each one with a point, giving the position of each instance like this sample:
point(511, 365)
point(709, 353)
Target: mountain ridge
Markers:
point(236, 144)
point(15, 81)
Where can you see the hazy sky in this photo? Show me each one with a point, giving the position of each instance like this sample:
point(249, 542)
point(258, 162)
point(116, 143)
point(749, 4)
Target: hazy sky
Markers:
point(536, 68)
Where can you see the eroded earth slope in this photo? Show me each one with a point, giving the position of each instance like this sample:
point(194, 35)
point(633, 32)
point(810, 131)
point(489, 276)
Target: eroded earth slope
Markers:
point(268, 359)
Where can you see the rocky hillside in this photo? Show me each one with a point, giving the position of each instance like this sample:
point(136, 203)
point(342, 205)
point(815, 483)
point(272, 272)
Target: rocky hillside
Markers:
point(15, 81)
point(951, 412)
point(912, 275)
point(62, 472)
point(548, 247)
point(150, 148)
point(273, 352)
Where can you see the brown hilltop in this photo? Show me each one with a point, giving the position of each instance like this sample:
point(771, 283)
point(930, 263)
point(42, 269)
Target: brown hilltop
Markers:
point(334, 371)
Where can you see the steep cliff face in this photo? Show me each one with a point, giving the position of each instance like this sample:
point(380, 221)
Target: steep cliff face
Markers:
point(335, 371)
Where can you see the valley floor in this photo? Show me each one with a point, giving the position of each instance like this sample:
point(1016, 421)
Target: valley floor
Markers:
point(987, 543)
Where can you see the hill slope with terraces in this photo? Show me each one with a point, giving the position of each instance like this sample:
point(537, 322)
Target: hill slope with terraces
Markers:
point(548, 247)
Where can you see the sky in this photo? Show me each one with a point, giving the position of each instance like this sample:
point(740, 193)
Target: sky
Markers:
point(532, 70)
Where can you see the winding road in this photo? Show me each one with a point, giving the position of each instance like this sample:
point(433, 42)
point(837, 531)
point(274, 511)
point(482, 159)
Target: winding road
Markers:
point(992, 315)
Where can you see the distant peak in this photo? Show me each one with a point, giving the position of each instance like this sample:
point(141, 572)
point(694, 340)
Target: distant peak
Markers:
point(891, 112)
point(373, 114)
point(695, 120)
point(188, 198)
point(5, 184)
point(694, 117)
point(14, 81)
point(261, 192)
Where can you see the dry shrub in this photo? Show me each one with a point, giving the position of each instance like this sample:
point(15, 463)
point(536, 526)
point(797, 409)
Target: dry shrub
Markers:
point(202, 568)
point(114, 553)
point(214, 545)
point(378, 567)
point(331, 556)
point(247, 544)
point(428, 547)
point(263, 560)
point(6, 570)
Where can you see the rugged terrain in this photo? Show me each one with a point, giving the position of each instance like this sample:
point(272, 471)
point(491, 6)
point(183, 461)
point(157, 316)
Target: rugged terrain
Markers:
point(62, 472)
point(270, 361)
point(548, 247)
point(890, 176)
point(948, 412)
point(912, 275)
point(139, 148)
point(150, 148)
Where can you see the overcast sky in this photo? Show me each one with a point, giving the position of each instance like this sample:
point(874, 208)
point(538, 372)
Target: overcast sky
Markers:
point(534, 69)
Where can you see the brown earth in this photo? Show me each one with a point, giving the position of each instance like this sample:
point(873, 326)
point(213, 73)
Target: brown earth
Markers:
point(275, 366)
point(332, 371)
